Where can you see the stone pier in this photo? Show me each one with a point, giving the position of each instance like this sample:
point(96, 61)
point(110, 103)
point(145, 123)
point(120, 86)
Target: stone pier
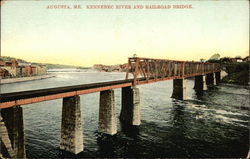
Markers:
point(179, 89)
point(200, 83)
point(6, 150)
point(210, 79)
point(71, 129)
point(130, 111)
point(12, 134)
point(107, 118)
point(217, 77)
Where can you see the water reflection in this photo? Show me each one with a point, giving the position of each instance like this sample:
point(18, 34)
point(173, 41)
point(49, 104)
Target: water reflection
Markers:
point(130, 130)
point(199, 94)
point(106, 145)
point(179, 128)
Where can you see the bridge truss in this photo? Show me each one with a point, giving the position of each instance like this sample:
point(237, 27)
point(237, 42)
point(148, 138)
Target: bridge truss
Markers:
point(148, 70)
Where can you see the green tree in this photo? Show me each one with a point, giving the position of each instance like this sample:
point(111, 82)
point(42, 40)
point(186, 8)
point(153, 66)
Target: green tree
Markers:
point(215, 57)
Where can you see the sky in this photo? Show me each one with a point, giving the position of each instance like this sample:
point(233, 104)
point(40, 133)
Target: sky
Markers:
point(83, 37)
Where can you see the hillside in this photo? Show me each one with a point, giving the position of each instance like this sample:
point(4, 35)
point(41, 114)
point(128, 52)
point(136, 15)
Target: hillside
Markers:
point(48, 65)
point(8, 58)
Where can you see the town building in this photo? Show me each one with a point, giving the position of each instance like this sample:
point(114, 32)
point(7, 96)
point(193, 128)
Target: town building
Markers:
point(4, 73)
point(14, 69)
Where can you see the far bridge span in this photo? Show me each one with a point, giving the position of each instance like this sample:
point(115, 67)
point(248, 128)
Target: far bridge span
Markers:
point(143, 71)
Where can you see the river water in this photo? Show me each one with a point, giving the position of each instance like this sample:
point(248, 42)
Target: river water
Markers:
point(212, 125)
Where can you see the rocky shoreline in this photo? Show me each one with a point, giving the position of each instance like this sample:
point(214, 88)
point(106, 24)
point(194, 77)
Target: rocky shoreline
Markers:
point(23, 79)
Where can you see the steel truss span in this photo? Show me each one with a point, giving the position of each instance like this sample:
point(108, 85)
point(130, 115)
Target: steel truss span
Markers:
point(160, 69)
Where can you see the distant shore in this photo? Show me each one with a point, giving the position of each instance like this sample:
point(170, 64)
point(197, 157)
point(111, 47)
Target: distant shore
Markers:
point(23, 79)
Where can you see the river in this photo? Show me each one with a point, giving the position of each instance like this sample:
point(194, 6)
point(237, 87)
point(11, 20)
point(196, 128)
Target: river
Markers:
point(212, 125)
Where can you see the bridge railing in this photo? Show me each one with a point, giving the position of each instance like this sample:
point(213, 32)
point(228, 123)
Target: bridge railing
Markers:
point(156, 69)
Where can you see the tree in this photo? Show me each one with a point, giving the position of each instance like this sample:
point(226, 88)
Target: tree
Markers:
point(202, 60)
point(215, 57)
point(134, 55)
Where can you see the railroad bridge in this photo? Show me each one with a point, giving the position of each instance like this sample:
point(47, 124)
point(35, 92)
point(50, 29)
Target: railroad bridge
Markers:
point(139, 71)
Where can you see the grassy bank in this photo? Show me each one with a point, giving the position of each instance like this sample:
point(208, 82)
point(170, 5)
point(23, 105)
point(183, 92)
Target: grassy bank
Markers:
point(238, 73)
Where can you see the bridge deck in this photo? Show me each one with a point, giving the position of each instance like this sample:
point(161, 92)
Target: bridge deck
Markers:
point(34, 96)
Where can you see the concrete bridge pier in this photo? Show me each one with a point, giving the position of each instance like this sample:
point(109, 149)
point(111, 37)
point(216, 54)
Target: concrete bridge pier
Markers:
point(217, 77)
point(210, 79)
point(179, 89)
point(107, 118)
point(130, 111)
point(12, 134)
point(71, 128)
point(200, 83)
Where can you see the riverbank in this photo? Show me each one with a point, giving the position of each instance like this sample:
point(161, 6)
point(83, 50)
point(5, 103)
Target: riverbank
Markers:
point(23, 79)
point(238, 73)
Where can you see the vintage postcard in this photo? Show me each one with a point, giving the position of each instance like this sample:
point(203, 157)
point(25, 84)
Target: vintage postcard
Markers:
point(124, 79)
